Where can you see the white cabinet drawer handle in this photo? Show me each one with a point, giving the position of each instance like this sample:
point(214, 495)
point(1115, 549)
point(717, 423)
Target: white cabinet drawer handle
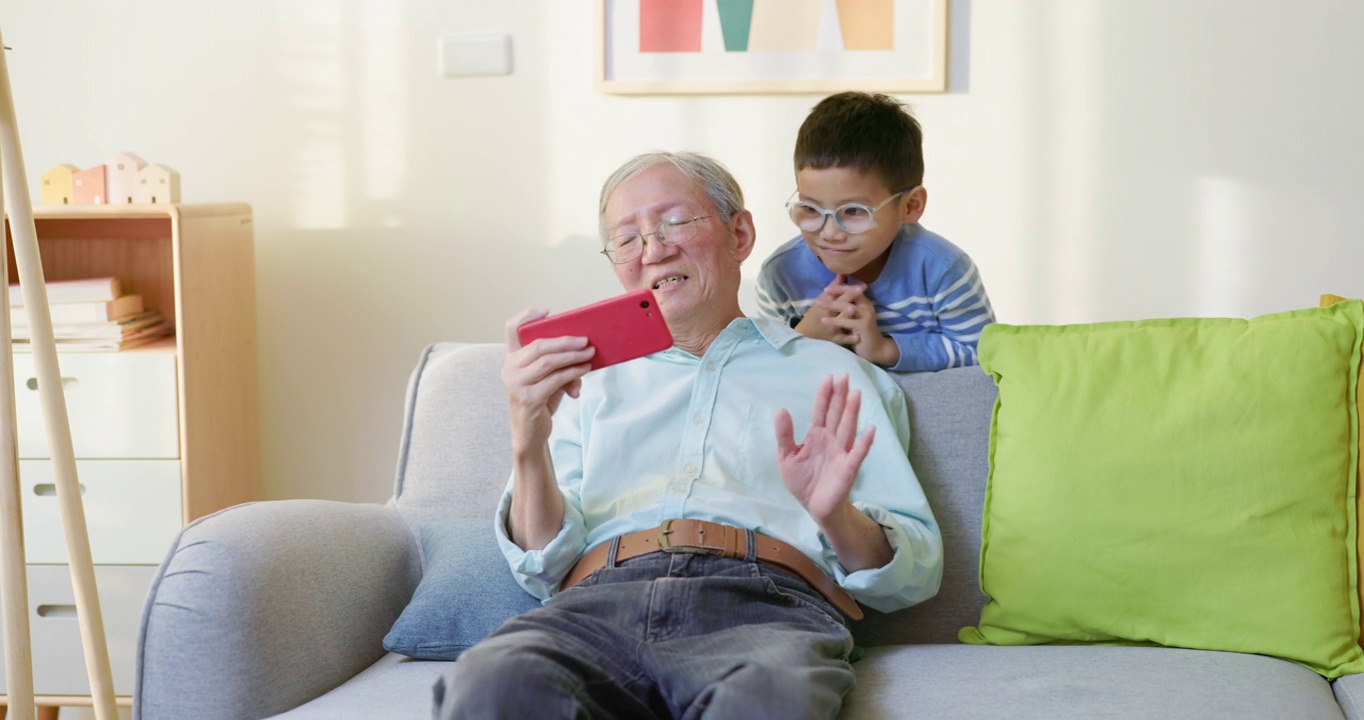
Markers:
point(49, 489)
point(67, 383)
point(59, 611)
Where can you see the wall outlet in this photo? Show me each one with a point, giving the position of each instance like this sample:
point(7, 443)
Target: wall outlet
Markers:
point(475, 55)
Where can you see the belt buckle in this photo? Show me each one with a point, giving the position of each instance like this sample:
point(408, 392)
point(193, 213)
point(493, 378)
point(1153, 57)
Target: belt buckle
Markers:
point(665, 544)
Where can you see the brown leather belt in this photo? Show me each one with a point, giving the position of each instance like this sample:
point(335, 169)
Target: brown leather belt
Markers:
point(708, 538)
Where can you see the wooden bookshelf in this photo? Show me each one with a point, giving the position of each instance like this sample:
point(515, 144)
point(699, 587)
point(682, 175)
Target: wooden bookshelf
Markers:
point(196, 264)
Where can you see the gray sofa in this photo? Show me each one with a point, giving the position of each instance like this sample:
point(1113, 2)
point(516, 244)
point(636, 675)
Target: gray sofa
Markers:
point(279, 609)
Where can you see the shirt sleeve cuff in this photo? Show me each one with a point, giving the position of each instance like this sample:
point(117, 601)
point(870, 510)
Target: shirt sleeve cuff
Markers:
point(877, 588)
point(908, 360)
point(541, 571)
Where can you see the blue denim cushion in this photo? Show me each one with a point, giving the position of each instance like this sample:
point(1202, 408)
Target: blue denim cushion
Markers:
point(466, 592)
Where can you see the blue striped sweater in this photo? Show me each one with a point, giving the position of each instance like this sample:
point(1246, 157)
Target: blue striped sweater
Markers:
point(929, 298)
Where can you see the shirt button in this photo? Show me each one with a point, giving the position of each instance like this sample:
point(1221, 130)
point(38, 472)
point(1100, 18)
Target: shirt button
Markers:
point(698, 418)
point(710, 366)
point(690, 468)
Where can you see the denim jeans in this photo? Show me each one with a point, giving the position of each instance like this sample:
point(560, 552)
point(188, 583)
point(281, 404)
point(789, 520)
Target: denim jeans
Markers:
point(662, 636)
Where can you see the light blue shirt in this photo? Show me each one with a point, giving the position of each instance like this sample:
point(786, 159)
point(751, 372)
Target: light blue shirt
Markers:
point(672, 435)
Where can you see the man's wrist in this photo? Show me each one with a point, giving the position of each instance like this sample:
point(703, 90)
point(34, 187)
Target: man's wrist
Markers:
point(838, 522)
point(530, 454)
point(857, 540)
point(524, 446)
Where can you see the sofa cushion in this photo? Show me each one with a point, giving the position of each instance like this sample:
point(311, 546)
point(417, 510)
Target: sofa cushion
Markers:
point(455, 455)
point(1189, 483)
point(466, 592)
point(1349, 692)
point(949, 437)
point(945, 682)
point(955, 681)
point(394, 687)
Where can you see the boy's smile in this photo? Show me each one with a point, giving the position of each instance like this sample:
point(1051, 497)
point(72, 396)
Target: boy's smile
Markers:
point(861, 256)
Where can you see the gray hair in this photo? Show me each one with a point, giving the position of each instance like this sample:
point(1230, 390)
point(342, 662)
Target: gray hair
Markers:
point(715, 180)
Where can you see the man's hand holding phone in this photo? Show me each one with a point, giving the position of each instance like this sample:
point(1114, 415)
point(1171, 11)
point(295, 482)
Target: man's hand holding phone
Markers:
point(547, 355)
point(537, 375)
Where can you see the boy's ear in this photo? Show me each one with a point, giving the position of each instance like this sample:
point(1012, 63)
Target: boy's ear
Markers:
point(915, 205)
point(741, 227)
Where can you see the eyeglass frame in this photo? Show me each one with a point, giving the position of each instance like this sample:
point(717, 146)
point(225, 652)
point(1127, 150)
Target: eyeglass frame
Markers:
point(826, 214)
point(658, 232)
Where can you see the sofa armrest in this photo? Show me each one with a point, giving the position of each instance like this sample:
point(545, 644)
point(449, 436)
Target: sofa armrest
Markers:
point(1349, 690)
point(261, 607)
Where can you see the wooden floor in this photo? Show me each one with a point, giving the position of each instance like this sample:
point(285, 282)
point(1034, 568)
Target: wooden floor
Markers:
point(50, 705)
point(45, 712)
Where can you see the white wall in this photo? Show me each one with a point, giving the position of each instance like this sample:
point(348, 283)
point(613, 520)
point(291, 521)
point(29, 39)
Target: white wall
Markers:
point(1100, 160)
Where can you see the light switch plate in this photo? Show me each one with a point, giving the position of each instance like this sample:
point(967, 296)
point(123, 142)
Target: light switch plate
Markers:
point(475, 55)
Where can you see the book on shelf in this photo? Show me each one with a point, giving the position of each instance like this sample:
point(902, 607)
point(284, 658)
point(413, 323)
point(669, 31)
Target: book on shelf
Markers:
point(66, 346)
point(112, 335)
point(84, 312)
point(82, 290)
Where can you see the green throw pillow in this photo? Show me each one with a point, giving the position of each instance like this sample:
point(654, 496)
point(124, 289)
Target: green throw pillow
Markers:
point(1188, 483)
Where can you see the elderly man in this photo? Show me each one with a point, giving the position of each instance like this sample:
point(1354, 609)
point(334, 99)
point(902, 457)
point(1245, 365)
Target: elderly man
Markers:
point(698, 562)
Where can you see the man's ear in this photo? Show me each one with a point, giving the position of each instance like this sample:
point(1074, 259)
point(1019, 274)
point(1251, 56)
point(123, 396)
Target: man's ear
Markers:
point(915, 205)
point(741, 227)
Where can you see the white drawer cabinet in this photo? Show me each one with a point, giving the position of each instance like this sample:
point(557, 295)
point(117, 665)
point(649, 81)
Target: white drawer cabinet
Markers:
point(55, 629)
point(120, 405)
point(132, 510)
point(163, 434)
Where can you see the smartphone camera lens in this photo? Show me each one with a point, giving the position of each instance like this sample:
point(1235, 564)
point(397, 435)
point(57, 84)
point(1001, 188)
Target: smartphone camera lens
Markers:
point(644, 303)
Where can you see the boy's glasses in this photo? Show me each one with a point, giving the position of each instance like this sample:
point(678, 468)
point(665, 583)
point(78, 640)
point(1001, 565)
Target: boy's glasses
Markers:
point(627, 247)
point(852, 218)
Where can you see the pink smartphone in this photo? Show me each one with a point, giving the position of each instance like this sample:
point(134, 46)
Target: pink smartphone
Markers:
point(620, 328)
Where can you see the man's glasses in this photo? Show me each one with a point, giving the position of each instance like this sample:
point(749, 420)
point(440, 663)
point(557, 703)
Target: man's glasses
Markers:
point(628, 247)
point(852, 218)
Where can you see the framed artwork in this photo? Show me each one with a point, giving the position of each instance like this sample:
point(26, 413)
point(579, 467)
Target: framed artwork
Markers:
point(770, 46)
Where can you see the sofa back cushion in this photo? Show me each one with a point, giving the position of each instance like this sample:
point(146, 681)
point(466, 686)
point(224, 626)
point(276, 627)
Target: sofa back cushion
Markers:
point(949, 443)
point(455, 459)
point(455, 455)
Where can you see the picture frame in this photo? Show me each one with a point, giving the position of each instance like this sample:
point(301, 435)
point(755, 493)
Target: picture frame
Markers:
point(679, 47)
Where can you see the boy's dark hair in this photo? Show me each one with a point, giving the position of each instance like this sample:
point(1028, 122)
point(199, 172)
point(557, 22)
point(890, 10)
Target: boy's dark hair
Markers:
point(871, 133)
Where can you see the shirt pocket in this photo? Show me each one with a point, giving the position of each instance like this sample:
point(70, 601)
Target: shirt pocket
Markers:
point(758, 450)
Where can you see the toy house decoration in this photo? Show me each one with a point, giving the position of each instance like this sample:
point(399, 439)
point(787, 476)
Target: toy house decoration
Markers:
point(56, 189)
point(125, 179)
point(157, 185)
point(120, 177)
point(87, 186)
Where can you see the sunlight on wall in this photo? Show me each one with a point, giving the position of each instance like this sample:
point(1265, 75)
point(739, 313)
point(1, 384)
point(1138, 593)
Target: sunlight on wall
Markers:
point(1075, 97)
point(313, 68)
point(383, 97)
point(1099, 160)
point(1222, 223)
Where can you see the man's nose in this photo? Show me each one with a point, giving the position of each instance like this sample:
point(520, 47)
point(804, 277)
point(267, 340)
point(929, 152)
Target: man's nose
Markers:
point(655, 249)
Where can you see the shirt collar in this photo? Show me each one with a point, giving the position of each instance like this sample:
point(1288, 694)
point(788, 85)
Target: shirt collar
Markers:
point(776, 333)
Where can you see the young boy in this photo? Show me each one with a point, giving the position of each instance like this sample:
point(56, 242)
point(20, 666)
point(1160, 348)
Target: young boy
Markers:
point(864, 273)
